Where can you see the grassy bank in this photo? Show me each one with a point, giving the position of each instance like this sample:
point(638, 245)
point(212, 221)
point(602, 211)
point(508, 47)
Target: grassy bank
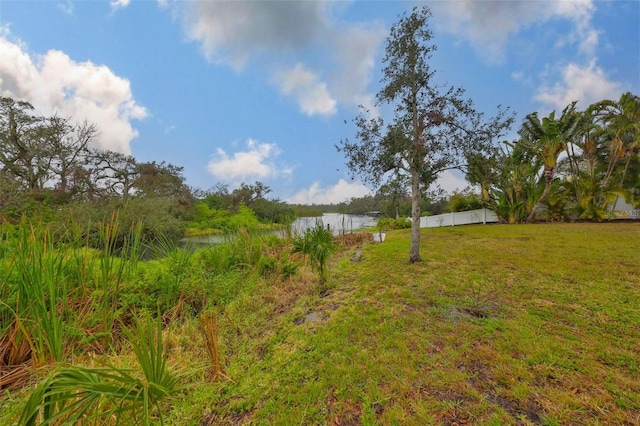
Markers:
point(500, 325)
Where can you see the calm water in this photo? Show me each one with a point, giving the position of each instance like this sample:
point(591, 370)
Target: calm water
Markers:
point(339, 223)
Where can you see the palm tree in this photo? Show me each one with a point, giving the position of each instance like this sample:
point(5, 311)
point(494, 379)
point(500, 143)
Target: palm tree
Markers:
point(609, 152)
point(102, 395)
point(507, 177)
point(548, 138)
point(621, 121)
point(318, 244)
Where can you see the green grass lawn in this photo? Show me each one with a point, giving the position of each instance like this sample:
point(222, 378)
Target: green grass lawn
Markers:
point(536, 324)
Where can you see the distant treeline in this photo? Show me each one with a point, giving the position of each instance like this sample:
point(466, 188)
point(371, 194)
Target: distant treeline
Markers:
point(398, 206)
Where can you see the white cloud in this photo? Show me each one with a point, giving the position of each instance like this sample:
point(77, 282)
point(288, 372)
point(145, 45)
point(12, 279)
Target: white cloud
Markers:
point(343, 190)
point(517, 75)
point(278, 35)
point(589, 43)
point(231, 31)
point(257, 162)
point(305, 86)
point(55, 84)
point(451, 181)
point(580, 12)
point(355, 54)
point(119, 4)
point(338, 193)
point(586, 85)
point(66, 7)
point(488, 24)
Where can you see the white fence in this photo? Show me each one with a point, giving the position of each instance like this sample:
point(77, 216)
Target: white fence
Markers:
point(623, 210)
point(460, 218)
point(488, 216)
point(627, 214)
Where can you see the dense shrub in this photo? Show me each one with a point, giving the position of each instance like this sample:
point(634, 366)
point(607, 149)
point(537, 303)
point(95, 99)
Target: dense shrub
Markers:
point(157, 216)
point(464, 201)
point(388, 223)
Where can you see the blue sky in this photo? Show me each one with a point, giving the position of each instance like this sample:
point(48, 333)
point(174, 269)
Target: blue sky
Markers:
point(238, 91)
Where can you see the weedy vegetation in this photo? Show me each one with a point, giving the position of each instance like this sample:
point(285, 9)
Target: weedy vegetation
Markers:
point(523, 325)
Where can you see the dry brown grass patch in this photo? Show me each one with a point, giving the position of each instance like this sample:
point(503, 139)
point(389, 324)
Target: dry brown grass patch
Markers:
point(354, 239)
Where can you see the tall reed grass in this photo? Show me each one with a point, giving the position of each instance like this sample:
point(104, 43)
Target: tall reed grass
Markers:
point(178, 260)
point(242, 249)
point(63, 296)
point(37, 287)
point(58, 292)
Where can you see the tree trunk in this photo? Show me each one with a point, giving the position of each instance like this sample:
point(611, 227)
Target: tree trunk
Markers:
point(414, 251)
point(548, 179)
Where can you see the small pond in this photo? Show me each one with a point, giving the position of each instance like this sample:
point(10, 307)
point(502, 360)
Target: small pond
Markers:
point(337, 222)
